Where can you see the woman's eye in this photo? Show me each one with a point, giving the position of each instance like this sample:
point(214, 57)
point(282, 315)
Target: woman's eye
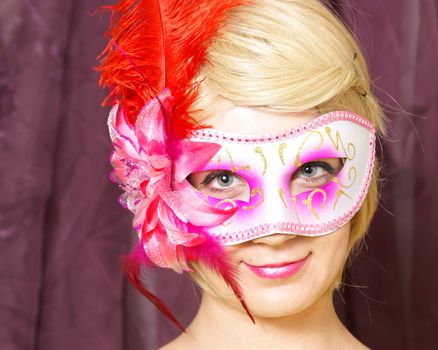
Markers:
point(315, 174)
point(222, 184)
point(222, 180)
point(311, 170)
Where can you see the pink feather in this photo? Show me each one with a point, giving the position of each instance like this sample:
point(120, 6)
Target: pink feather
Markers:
point(214, 256)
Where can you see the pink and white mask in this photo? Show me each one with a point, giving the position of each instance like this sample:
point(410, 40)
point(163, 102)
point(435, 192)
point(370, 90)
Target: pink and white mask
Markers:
point(310, 180)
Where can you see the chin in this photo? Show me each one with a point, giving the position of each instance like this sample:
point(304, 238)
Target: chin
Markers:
point(279, 303)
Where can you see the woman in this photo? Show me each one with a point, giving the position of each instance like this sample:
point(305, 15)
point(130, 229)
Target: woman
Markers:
point(264, 206)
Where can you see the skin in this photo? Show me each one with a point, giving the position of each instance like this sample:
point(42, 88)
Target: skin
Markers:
point(295, 312)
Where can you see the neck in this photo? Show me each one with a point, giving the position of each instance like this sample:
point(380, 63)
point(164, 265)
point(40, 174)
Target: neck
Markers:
point(223, 326)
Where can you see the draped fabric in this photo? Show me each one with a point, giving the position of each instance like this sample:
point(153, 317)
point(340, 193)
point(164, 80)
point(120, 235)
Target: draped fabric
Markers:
point(62, 232)
point(394, 302)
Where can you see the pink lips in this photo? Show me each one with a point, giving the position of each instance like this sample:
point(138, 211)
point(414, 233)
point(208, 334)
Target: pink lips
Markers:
point(278, 271)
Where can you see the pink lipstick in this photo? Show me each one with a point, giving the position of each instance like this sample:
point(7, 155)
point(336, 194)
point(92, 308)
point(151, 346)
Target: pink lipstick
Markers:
point(278, 271)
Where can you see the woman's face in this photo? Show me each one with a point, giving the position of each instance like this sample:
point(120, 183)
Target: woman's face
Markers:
point(280, 274)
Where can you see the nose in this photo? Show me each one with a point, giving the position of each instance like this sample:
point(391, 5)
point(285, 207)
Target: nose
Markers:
point(274, 239)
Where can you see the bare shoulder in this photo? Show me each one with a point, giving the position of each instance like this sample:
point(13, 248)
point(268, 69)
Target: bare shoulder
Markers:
point(173, 345)
point(180, 343)
point(357, 346)
point(170, 346)
point(353, 343)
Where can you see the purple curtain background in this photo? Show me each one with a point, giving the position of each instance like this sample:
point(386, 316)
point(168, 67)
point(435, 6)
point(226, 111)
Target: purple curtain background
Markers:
point(62, 232)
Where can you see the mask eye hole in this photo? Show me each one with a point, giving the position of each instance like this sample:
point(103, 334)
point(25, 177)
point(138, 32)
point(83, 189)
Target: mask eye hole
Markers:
point(222, 184)
point(315, 174)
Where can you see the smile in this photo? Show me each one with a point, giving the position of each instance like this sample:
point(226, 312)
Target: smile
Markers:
point(278, 271)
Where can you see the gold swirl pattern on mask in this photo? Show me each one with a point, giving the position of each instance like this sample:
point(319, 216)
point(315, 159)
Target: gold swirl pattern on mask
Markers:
point(281, 147)
point(233, 166)
point(219, 159)
point(259, 151)
point(281, 195)
point(233, 205)
point(308, 201)
point(351, 171)
point(294, 200)
point(337, 142)
point(254, 192)
point(298, 157)
point(339, 193)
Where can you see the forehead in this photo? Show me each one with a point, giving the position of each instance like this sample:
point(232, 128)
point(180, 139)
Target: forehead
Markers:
point(252, 121)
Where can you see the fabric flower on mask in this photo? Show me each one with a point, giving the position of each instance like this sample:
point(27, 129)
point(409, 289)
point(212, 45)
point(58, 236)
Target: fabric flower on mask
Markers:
point(150, 168)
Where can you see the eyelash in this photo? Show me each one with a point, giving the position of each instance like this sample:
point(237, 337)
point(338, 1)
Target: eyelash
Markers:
point(213, 175)
point(216, 175)
point(325, 166)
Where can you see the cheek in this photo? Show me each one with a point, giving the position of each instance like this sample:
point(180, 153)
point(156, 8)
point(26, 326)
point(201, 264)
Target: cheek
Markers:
point(329, 255)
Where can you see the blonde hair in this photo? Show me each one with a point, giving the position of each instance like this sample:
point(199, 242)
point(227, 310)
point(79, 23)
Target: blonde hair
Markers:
point(289, 56)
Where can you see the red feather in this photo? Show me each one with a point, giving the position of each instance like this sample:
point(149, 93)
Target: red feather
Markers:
point(213, 255)
point(133, 264)
point(157, 44)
